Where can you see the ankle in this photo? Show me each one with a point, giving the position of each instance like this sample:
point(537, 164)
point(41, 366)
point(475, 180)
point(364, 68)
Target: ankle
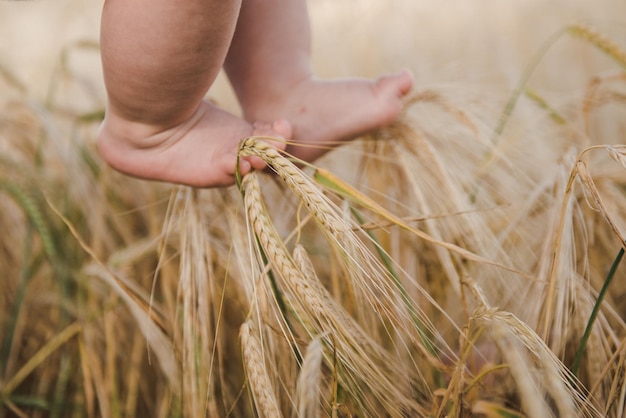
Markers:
point(259, 101)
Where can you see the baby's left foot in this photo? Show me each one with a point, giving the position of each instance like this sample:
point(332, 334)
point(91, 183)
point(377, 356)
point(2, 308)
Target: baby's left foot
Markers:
point(325, 113)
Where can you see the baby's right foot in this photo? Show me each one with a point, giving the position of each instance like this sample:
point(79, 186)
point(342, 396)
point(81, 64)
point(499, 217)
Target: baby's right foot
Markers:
point(200, 152)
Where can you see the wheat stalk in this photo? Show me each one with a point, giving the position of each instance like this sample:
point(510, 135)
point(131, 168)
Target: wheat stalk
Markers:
point(311, 300)
point(378, 285)
point(197, 329)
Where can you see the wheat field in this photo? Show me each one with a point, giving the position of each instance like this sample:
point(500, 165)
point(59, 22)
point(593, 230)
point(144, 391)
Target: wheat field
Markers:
point(464, 261)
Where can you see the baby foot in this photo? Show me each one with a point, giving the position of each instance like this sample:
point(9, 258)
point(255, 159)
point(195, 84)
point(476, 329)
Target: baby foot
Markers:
point(325, 113)
point(200, 152)
point(279, 129)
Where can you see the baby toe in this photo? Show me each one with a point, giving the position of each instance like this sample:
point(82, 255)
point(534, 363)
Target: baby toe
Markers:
point(283, 128)
point(280, 129)
point(395, 85)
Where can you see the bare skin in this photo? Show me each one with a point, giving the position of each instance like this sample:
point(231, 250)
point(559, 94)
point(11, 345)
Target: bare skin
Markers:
point(269, 66)
point(161, 56)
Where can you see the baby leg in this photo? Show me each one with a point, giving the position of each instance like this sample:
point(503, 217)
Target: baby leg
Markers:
point(159, 59)
point(269, 66)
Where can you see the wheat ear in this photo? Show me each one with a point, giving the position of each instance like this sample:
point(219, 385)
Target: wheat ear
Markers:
point(309, 381)
point(363, 357)
point(256, 370)
point(303, 187)
point(603, 43)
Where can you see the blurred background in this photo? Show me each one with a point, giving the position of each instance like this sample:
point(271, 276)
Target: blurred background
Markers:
point(468, 44)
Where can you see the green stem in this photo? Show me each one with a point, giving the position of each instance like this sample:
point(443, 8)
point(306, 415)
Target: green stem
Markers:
point(594, 313)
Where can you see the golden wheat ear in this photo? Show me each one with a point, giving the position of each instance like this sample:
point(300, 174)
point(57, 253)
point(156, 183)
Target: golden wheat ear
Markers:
point(256, 370)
